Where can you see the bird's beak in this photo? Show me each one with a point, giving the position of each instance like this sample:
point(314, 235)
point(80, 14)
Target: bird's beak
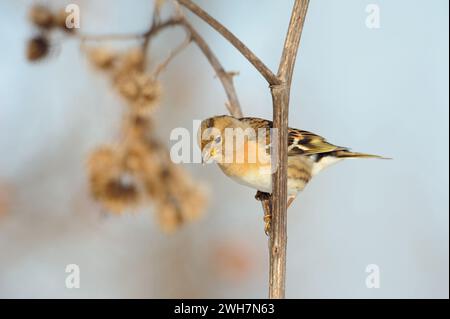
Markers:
point(207, 155)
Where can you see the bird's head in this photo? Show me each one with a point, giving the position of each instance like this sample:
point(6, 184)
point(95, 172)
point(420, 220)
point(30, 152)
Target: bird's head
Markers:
point(211, 136)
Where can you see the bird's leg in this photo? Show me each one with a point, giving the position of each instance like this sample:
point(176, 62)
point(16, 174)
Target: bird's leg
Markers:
point(261, 196)
point(267, 222)
point(266, 201)
point(290, 200)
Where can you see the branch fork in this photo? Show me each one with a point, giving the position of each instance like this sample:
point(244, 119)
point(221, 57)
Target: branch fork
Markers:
point(276, 204)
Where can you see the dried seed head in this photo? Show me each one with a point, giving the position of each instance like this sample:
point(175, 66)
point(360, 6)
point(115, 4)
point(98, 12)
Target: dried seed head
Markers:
point(134, 59)
point(169, 217)
point(136, 156)
point(61, 19)
point(141, 91)
point(41, 16)
point(194, 203)
point(37, 48)
point(102, 58)
point(192, 199)
point(111, 183)
point(116, 193)
point(149, 95)
point(120, 192)
point(137, 126)
point(179, 198)
point(159, 4)
point(150, 92)
point(185, 204)
point(128, 88)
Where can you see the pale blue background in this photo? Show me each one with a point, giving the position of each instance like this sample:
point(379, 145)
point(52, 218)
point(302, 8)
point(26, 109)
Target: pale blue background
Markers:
point(382, 91)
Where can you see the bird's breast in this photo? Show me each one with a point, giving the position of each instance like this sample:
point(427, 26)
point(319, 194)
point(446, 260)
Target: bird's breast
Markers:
point(259, 177)
point(256, 171)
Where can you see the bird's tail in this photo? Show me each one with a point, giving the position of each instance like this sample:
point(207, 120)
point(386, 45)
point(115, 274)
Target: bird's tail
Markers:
point(348, 154)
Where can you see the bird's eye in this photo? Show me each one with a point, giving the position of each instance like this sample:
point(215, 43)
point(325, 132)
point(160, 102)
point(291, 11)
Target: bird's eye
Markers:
point(218, 139)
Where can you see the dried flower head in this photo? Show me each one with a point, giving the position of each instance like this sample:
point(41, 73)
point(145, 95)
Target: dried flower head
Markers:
point(128, 87)
point(102, 58)
point(159, 4)
point(150, 94)
point(195, 202)
point(41, 16)
point(192, 196)
point(179, 199)
point(138, 157)
point(134, 59)
point(119, 176)
point(37, 48)
point(169, 216)
point(61, 21)
point(115, 186)
point(137, 126)
point(142, 91)
point(175, 209)
point(153, 168)
point(120, 193)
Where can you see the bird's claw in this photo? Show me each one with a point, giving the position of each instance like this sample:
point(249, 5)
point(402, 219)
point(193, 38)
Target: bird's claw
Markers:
point(267, 224)
point(265, 198)
point(261, 196)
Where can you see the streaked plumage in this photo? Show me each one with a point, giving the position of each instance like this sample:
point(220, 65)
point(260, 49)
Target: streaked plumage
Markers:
point(308, 153)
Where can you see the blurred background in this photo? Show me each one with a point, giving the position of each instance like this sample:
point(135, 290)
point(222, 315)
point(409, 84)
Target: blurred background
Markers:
point(382, 91)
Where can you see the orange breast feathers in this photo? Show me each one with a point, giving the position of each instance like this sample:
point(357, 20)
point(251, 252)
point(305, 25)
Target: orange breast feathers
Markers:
point(247, 156)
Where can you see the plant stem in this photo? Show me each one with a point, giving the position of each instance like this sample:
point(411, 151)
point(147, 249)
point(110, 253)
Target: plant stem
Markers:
point(280, 85)
point(226, 78)
point(238, 44)
point(280, 99)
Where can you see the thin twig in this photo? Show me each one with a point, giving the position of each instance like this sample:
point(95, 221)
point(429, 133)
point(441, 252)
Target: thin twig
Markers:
point(109, 37)
point(276, 204)
point(292, 41)
point(226, 78)
point(171, 56)
point(271, 78)
point(280, 85)
point(233, 104)
point(280, 99)
point(151, 32)
point(156, 27)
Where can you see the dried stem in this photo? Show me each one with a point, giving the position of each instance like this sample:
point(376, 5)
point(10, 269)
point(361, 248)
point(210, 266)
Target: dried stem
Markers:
point(225, 77)
point(280, 88)
point(292, 41)
point(280, 99)
point(276, 204)
point(162, 66)
point(238, 44)
point(109, 37)
point(156, 27)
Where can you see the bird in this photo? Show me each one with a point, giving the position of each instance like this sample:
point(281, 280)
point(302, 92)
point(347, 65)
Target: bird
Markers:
point(242, 148)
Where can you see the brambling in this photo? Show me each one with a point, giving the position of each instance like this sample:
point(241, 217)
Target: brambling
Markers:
point(242, 149)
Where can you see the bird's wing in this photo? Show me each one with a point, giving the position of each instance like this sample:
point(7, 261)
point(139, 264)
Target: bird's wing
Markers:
point(306, 143)
point(299, 142)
